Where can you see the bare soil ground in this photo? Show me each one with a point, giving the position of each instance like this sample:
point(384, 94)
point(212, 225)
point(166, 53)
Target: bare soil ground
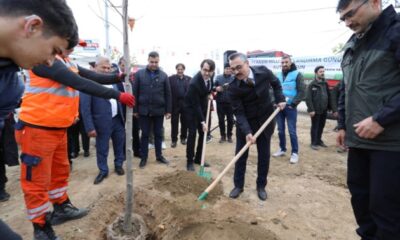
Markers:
point(308, 200)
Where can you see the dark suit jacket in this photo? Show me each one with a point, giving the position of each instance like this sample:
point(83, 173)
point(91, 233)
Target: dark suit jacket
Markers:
point(197, 97)
point(96, 112)
point(255, 108)
point(173, 82)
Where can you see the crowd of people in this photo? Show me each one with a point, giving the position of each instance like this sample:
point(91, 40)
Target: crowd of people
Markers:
point(61, 99)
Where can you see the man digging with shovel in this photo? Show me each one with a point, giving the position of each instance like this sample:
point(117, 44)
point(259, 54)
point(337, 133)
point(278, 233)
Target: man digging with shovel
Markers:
point(251, 103)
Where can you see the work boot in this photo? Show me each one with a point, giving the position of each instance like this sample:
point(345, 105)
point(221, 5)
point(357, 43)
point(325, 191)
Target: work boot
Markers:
point(66, 211)
point(4, 196)
point(44, 232)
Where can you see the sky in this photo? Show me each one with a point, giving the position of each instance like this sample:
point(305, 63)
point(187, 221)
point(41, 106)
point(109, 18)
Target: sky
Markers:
point(189, 31)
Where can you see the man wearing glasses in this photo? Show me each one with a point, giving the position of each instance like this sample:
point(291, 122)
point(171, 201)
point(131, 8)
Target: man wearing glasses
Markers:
point(195, 105)
point(251, 104)
point(369, 116)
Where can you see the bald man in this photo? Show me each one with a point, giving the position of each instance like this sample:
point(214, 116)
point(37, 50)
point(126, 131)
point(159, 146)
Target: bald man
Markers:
point(104, 119)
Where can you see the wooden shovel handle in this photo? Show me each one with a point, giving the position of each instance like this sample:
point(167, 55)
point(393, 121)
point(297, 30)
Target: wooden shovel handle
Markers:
point(203, 150)
point(239, 154)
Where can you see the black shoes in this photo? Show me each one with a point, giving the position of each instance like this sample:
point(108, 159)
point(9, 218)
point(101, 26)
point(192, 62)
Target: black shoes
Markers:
point(230, 140)
point(173, 144)
point(142, 163)
point(183, 141)
point(73, 155)
point(205, 163)
point(4, 196)
point(314, 147)
point(190, 167)
point(86, 154)
point(222, 140)
point(120, 171)
point(235, 193)
point(100, 178)
point(44, 232)
point(262, 194)
point(65, 212)
point(162, 160)
point(322, 144)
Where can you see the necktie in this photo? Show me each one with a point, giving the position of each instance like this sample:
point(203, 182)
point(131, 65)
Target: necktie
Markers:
point(208, 85)
point(250, 82)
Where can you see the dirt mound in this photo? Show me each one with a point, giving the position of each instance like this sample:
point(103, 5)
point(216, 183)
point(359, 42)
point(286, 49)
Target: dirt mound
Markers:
point(224, 231)
point(182, 183)
point(180, 219)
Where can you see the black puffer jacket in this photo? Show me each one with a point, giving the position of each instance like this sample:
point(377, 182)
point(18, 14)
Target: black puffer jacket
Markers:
point(152, 92)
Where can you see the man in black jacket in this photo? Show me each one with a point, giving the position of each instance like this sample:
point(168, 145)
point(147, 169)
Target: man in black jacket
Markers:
point(251, 103)
point(153, 93)
point(369, 116)
point(224, 107)
point(196, 101)
point(179, 85)
point(317, 100)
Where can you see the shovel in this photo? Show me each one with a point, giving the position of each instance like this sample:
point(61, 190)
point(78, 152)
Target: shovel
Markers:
point(204, 195)
point(202, 173)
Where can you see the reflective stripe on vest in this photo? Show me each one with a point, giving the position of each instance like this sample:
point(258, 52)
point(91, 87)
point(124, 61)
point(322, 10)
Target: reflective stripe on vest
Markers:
point(289, 85)
point(48, 103)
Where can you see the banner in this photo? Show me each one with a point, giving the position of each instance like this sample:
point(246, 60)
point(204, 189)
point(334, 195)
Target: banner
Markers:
point(305, 65)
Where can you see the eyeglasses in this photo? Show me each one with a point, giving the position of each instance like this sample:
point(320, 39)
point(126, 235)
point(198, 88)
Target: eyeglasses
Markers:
point(237, 68)
point(352, 12)
point(207, 70)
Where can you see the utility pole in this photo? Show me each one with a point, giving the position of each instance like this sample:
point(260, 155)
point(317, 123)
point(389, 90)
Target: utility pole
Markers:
point(107, 30)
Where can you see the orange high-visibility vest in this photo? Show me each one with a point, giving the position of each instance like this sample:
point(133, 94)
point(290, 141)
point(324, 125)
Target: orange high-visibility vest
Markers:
point(48, 103)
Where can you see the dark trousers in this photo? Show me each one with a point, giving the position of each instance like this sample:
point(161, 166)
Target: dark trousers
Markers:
point(117, 135)
point(317, 127)
point(225, 109)
point(8, 149)
point(194, 125)
point(156, 122)
point(263, 152)
point(374, 183)
point(73, 138)
point(135, 137)
point(3, 177)
point(178, 114)
point(7, 233)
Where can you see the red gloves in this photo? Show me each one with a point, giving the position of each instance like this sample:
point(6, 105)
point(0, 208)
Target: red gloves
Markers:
point(127, 99)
